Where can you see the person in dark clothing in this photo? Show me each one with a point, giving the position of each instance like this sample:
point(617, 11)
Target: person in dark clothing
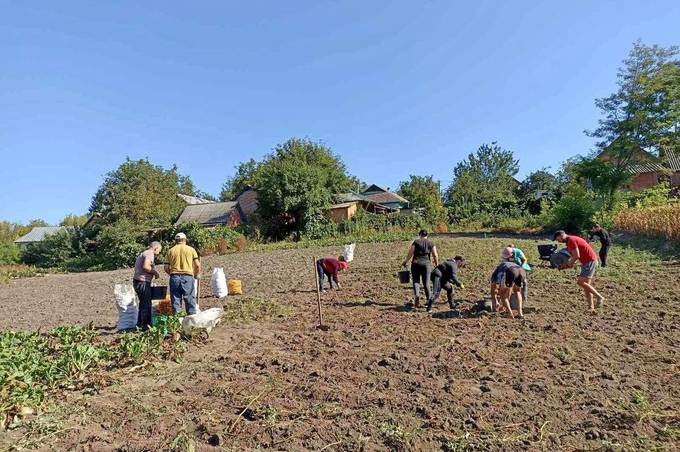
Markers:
point(421, 254)
point(505, 277)
point(330, 268)
point(445, 276)
point(605, 242)
point(141, 281)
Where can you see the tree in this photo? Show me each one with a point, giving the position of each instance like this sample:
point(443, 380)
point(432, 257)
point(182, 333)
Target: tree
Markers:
point(538, 189)
point(142, 193)
point(118, 244)
point(55, 250)
point(423, 192)
point(295, 184)
point(244, 177)
point(74, 220)
point(642, 115)
point(484, 183)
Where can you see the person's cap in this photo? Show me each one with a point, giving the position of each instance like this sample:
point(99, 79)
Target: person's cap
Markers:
point(422, 232)
point(506, 253)
point(180, 236)
point(461, 261)
point(558, 234)
point(343, 265)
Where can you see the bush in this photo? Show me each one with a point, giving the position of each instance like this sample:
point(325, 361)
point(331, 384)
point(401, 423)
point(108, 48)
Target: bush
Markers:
point(9, 254)
point(575, 211)
point(55, 250)
point(118, 245)
point(206, 241)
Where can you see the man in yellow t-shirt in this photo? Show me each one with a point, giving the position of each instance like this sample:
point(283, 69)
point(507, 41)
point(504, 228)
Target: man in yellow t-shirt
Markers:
point(183, 266)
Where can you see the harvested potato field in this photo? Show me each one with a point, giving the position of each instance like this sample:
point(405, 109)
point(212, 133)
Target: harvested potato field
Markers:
point(383, 376)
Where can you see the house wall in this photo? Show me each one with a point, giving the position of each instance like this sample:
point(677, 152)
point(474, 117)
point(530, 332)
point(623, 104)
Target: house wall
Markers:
point(341, 214)
point(675, 179)
point(247, 201)
point(234, 218)
point(644, 180)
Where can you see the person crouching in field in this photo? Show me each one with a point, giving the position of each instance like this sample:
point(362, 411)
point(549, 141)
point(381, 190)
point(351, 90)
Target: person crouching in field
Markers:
point(183, 267)
point(444, 276)
point(331, 268)
point(506, 277)
point(605, 242)
point(513, 254)
point(580, 250)
point(141, 281)
point(421, 254)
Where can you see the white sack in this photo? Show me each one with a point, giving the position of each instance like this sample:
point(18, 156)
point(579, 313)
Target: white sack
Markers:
point(348, 252)
point(219, 283)
point(204, 320)
point(127, 305)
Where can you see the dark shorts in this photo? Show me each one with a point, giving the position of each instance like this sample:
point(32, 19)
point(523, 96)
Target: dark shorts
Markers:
point(515, 277)
point(512, 276)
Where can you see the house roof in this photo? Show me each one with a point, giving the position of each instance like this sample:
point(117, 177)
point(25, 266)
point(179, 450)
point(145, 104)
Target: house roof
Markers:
point(193, 200)
point(38, 234)
point(384, 198)
point(348, 197)
point(647, 167)
point(379, 195)
point(343, 205)
point(672, 159)
point(213, 213)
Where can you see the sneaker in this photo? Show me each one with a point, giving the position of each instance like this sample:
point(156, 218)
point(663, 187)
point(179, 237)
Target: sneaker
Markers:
point(599, 302)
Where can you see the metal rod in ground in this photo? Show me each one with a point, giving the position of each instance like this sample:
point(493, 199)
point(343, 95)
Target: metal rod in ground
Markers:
point(318, 279)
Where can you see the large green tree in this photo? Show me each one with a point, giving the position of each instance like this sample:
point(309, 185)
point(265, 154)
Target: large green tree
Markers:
point(642, 115)
point(142, 193)
point(423, 192)
point(483, 183)
point(243, 178)
point(295, 184)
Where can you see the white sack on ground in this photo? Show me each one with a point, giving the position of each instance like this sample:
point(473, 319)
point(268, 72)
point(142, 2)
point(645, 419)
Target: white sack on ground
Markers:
point(127, 305)
point(203, 320)
point(219, 283)
point(348, 252)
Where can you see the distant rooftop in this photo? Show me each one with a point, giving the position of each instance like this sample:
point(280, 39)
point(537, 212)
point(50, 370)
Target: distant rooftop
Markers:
point(193, 200)
point(214, 213)
point(39, 233)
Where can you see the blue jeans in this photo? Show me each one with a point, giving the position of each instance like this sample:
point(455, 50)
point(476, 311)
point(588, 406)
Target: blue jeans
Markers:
point(182, 287)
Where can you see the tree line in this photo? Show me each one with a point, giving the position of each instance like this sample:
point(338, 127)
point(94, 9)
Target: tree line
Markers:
point(296, 183)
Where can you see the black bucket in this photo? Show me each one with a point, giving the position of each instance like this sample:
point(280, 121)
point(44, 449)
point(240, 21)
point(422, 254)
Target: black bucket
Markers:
point(404, 276)
point(159, 292)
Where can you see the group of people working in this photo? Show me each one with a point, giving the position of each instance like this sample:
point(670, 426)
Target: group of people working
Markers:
point(184, 267)
point(509, 278)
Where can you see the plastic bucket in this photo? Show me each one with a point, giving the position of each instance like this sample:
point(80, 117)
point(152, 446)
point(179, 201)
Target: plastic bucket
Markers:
point(159, 292)
point(404, 276)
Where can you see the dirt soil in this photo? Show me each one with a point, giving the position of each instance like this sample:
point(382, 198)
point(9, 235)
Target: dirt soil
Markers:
point(383, 376)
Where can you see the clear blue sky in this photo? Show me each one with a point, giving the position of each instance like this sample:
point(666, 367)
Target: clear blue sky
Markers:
point(395, 88)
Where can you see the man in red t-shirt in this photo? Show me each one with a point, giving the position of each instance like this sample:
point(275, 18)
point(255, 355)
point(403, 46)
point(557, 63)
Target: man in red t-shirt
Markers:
point(581, 251)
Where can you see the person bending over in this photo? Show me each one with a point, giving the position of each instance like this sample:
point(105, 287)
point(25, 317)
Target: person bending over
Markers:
point(421, 254)
point(581, 251)
point(445, 276)
point(330, 268)
point(507, 277)
point(605, 242)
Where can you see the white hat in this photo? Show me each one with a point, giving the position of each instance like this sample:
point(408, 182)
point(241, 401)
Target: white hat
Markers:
point(180, 236)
